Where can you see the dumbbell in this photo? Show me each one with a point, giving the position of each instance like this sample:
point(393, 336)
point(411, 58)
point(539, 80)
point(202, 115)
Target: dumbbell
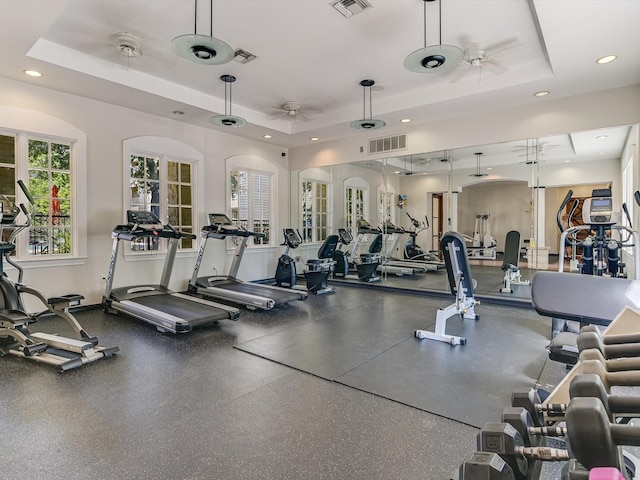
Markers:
point(587, 340)
point(504, 440)
point(593, 439)
point(529, 399)
point(592, 385)
point(605, 473)
point(532, 435)
point(612, 339)
point(627, 378)
point(613, 365)
point(485, 466)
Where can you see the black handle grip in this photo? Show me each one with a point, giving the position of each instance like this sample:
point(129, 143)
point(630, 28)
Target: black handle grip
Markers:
point(26, 191)
point(626, 212)
point(637, 197)
point(566, 199)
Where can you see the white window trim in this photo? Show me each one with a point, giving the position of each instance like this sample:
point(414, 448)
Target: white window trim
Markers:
point(165, 149)
point(25, 123)
point(358, 183)
point(253, 163)
point(316, 175)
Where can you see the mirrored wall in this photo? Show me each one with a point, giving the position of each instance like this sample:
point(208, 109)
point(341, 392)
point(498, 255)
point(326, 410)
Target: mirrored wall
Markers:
point(408, 201)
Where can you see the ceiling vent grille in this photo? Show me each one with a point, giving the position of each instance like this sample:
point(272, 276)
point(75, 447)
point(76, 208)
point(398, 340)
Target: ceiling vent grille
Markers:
point(242, 56)
point(388, 144)
point(349, 8)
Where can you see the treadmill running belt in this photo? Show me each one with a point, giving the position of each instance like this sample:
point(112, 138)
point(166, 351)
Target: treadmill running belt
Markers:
point(192, 312)
point(277, 296)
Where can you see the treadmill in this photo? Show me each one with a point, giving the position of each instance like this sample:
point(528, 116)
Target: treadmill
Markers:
point(364, 229)
point(228, 287)
point(156, 304)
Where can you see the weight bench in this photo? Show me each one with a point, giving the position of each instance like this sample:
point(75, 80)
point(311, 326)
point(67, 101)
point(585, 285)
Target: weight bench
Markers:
point(585, 299)
point(462, 287)
point(512, 275)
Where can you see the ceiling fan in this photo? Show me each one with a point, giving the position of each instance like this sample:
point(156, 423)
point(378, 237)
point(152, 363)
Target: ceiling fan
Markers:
point(293, 110)
point(482, 57)
point(533, 152)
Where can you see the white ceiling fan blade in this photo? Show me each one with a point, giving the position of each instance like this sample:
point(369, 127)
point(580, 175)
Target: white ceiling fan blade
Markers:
point(460, 71)
point(495, 67)
point(502, 47)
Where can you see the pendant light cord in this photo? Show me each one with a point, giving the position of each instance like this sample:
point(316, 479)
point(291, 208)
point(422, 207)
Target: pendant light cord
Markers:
point(424, 7)
point(440, 19)
point(195, 18)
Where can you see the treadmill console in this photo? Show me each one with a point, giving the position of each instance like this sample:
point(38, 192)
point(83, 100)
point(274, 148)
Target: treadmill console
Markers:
point(142, 217)
point(599, 211)
point(365, 227)
point(218, 219)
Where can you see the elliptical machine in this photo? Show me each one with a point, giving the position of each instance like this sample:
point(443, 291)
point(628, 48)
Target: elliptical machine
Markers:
point(15, 338)
point(412, 251)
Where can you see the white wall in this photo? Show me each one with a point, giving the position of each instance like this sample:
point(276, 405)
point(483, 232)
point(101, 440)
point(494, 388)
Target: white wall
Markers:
point(106, 126)
point(541, 119)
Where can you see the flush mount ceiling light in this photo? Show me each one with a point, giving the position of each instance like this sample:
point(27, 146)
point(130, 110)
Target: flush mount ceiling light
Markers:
point(32, 73)
point(202, 49)
point(227, 120)
point(367, 123)
point(478, 174)
point(606, 59)
point(433, 58)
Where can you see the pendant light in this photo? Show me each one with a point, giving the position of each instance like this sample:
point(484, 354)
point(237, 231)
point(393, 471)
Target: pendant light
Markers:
point(478, 174)
point(204, 49)
point(367, 123)
point(227, 120)
point(433, 58)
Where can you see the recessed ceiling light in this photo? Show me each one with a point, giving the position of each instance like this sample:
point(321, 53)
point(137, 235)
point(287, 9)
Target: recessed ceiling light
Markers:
point(266, 136)
point(314, 139)
point(542, 93)
point(567, 161)
point(178, 112)
point(606, 59)
point(600, 153)
point(33, 73)
point(489, 168)
point(405, 120)
point(600, 137)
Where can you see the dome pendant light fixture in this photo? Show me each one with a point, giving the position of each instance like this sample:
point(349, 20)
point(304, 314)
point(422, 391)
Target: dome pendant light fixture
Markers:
point(433, 58)
point(478, 174)
point(367, 123)
point(227, 120)
point(203, 49)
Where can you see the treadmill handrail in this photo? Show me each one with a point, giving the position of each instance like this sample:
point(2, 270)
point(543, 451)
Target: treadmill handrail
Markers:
point(131, 232)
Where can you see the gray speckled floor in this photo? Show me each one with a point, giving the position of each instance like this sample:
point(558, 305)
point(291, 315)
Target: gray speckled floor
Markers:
point(194, 407)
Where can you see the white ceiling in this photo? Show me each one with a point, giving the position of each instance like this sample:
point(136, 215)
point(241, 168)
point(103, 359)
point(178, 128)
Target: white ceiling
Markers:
point(309, 53)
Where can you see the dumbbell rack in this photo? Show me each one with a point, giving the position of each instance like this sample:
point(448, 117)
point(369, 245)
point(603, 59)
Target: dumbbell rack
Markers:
point(581, 408)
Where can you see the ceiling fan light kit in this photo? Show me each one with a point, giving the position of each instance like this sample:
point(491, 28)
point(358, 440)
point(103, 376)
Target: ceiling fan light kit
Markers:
point(433, 58)
point(227, 120)
point(203, 49)
point(367, 123)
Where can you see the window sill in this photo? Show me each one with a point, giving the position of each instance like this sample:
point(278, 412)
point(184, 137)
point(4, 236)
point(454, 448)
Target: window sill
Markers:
point(156, 254)
point(32, 262)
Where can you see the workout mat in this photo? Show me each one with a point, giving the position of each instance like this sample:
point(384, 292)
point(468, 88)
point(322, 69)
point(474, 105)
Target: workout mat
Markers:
point(373, 348)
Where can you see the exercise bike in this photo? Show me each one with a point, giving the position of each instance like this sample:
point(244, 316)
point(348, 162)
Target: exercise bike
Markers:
point(15, 338)
point(286, 275)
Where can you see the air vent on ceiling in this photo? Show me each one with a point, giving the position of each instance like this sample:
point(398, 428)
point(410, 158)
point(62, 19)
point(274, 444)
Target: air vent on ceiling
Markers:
point(242, 56)
point(388, 144)
point(348, 8)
